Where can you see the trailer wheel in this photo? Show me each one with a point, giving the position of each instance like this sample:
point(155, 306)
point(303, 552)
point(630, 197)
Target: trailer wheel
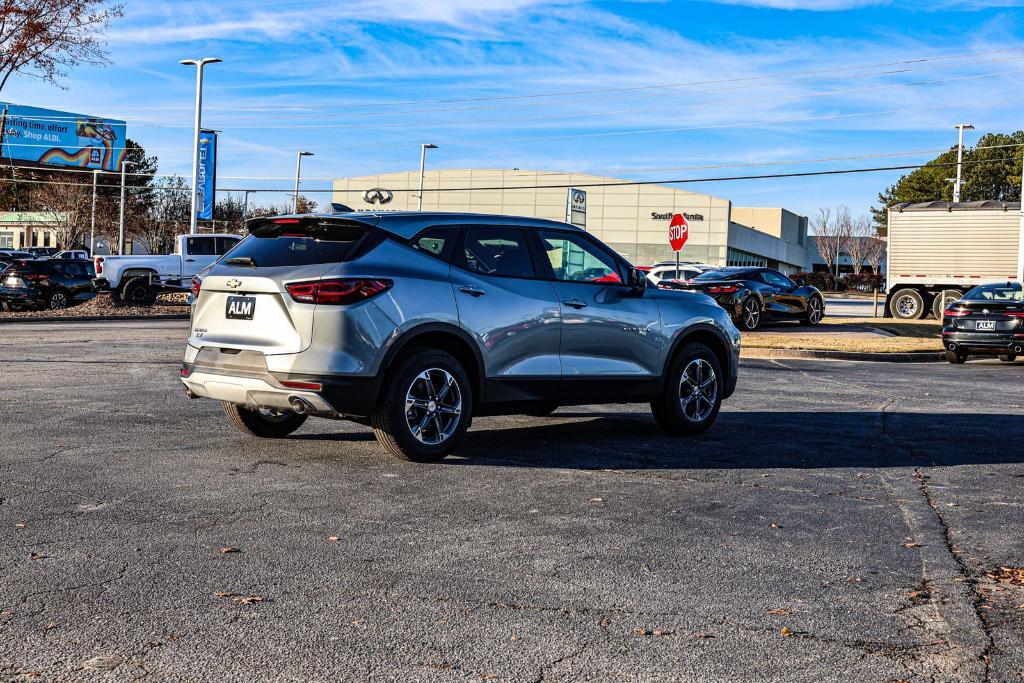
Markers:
point(951, 296)
point(907, 304)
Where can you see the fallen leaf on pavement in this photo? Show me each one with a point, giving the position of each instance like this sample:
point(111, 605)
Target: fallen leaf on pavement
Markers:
point(1011, 575)
point(228, 549)
point(785, 632)
point(597, 500)
point(37, 556)
point(703, 635)
point(911, 544)
point(332, 538)
point(659, 632)
point(224, 594)
point(20, 525)
point(773, 525)
point(246, 599)
point(640, 631)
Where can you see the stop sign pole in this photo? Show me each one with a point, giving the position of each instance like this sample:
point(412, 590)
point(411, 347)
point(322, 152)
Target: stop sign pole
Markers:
point(678, 233)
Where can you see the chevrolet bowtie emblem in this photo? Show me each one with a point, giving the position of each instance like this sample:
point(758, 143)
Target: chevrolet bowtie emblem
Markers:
point(234, 284)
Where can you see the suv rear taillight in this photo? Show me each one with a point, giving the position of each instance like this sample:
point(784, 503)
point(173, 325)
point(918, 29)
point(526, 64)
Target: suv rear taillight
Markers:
point(957, 313)
point(336, 292)
point(197, 284)
point(99, 265)
point(724, 289)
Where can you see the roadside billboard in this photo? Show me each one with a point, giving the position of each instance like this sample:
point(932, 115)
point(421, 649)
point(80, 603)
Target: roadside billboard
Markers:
point(61, 138)
point(206, 180)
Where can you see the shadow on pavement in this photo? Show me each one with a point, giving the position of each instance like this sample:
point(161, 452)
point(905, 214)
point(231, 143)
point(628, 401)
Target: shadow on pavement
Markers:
point(741, 440)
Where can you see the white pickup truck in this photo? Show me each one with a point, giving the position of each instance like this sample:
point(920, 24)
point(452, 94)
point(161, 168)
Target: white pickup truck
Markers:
point(137, 280)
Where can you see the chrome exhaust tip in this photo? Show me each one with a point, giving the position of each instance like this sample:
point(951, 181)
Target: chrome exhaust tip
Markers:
point(300, 406)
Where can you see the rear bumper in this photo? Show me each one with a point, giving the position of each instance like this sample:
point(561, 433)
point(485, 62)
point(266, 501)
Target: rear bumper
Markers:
point(974, 342)
point(100, 284)
point(21, 296)
point(245, 382)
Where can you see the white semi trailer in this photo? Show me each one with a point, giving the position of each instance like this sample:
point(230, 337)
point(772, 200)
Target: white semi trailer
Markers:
point(939, 250)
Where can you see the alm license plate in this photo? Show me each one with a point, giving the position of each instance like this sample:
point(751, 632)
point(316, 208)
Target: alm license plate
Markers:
point(986, 325)
point(240, 307)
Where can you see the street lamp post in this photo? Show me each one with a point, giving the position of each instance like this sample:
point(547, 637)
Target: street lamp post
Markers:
point(423, 163)
point(92, 227)
point(298, 174)
point(199, 64)
point(960, 127)
point(120, 231)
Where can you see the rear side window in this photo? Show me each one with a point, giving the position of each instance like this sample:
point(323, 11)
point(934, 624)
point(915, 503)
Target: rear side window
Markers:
point(295, 250)
point(723, 275)
point(436, 241)
point(202, 246)
point(224, 244)
point(496, 251)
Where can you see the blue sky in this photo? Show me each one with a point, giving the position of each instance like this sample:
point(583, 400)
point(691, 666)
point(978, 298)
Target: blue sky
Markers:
point(662, 88)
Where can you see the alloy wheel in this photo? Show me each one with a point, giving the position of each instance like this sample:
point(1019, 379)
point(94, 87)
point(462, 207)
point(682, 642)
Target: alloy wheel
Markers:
point(814, 315)
point(751, 314)
point(698, 390)
point(433, 406)
point(58, 301)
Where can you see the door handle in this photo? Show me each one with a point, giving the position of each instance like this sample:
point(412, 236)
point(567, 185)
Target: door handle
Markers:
point(190, 260)
point(471, 290)
point(574, 303)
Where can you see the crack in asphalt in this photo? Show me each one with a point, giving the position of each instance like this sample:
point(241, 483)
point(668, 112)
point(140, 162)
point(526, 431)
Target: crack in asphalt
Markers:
point(969, 579)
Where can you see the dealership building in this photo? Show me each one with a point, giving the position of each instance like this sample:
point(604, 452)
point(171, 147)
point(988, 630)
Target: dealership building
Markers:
point(632, 219)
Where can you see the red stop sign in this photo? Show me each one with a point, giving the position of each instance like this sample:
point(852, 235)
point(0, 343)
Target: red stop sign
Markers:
point(678, 232)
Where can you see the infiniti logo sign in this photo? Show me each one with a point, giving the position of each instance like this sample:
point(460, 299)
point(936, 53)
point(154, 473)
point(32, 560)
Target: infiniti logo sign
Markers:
point(378, 195)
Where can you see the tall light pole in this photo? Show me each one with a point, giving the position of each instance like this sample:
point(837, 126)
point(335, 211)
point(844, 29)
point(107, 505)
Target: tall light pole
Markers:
point(423, 163)
point(298, 174)
point(960, 127)
point(120, 231)
point(245, 207)
point(199, 64)
point(92, 227)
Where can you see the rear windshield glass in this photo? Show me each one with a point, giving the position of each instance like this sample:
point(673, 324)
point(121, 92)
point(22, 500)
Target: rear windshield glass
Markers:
point(270, 252)
point(1009, 291)
point(722, 275)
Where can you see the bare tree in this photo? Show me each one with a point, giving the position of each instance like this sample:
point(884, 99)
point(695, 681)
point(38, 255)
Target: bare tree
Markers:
point(827, 236)
point(67, 207)
point(857, 241)
point(44, 38)
point(162, 214)
point(875, 254)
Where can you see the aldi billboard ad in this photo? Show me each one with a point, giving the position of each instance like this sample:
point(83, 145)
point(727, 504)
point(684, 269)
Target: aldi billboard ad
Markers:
point(60, 138)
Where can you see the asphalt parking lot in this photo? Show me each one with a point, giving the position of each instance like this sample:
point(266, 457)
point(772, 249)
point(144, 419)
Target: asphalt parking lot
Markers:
point(837, 523)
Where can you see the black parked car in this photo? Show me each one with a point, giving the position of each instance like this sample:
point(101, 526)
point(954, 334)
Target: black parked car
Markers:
point(988, 320)
point(752, 295)
point(46, 283)
point(42, 252)
point(9, 255)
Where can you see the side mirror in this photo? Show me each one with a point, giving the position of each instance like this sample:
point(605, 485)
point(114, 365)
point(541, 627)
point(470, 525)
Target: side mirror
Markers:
point(801, 281)
point(637, 280)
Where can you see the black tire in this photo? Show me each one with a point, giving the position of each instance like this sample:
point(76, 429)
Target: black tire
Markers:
point(58, 300)
point(442, 426)
point(1007, 357)
point(907, 304)
point(750, 316)
point(815, 312)
point(136, 291)
point(256, 423)
point(956, 357)
point(951, 296)
point(671, 412)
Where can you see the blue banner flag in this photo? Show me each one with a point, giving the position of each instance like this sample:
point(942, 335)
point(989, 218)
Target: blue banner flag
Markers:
point(206, 179)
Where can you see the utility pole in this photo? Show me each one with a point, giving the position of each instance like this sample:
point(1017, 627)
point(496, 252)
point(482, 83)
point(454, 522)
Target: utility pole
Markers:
point(423, 163)
point(1020, 247)
point(199, 64)
point(960, 127)
point(120, 232)
point(298, 174)
point(92, 228)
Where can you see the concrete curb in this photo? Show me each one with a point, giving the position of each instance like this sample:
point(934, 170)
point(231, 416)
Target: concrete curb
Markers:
point(94, 318)
point(895, 357)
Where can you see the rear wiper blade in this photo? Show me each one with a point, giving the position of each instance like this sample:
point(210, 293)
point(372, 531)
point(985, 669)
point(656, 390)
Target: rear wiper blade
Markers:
point(241, 261)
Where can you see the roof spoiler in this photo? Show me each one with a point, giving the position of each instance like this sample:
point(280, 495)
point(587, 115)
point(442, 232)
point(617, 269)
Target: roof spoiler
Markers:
point(323, 227)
